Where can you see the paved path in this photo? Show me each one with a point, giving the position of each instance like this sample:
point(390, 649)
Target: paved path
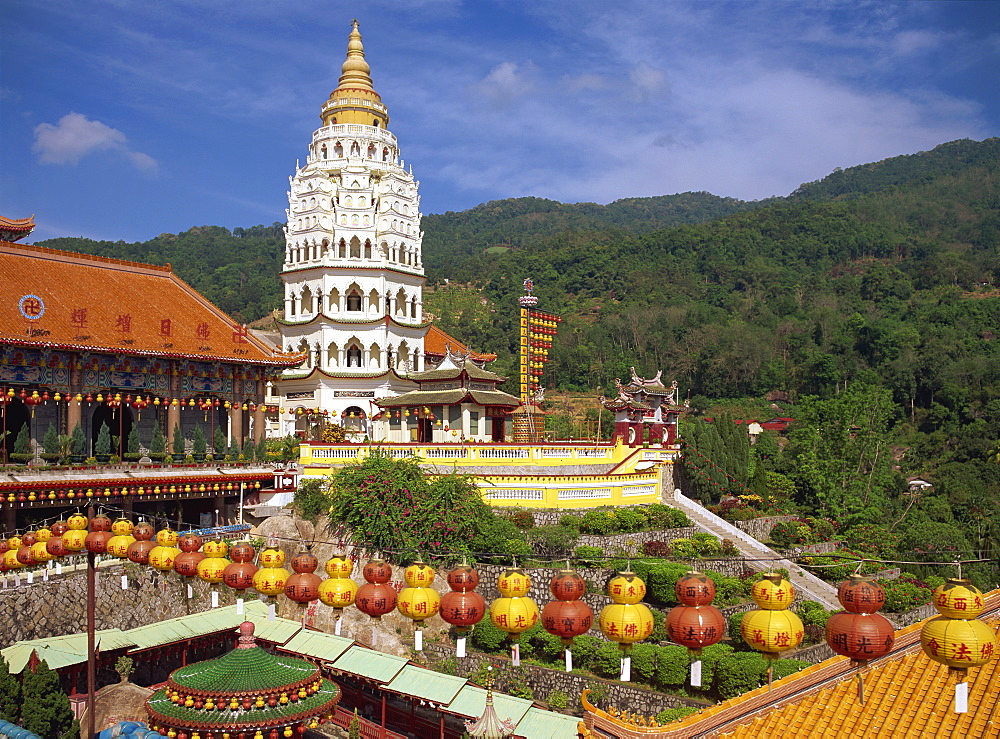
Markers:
point(811, 587)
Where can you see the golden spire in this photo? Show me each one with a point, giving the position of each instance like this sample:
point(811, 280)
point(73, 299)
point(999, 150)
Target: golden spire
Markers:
point(355, 73)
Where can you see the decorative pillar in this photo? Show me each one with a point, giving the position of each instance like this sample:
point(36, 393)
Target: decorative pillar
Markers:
point(236, 423)
point(258, 424)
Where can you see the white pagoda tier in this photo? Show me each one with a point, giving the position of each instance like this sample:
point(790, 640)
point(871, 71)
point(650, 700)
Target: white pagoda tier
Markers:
point(353, 273)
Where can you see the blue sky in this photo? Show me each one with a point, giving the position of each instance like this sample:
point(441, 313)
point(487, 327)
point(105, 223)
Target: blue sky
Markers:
point(124, 119)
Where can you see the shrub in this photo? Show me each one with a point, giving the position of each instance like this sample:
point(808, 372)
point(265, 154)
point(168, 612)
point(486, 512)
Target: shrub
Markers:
point(739, 672)
point(558, 699)
point(178, 443)
point(630, 520)
point(661, 579)
point(705, 544)
point(588, 556)
point(523, 519)
point(672, 667)
point(311, 500)
point(607, 660)
point(735, 636)
point(600, 522)
point(103, 444)
point(198, 443)
point(787, 534)
point(812, 613)
point(50, 442)
point(77, 441)
point(133, 443)
point(644, 661)
point(870, 538)
point(557, 540)
point(219, 442)
point(728, 590)
point(675, 714)
point(903, 595)
point(729, 549)
point(584, 648)
point(488, 638)
point(656, 549)
point(661, 516)
point(686, 548)
point(574, 522)
point(823, 528)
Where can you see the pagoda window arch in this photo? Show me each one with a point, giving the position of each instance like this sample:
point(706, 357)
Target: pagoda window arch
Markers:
point(342, 247)
point(325, 247)
point(312, 202)
point(291, 300)
point(334, 300)
point(348, 201)
point(354, 299)
point(304, 347)
point(374, 356)
point(368, 244)
point(373, 301)
point(355, 246)
point(403, 354)
point(375, 122)
point(366, 221)
point(354, 355)
point(401, 303)
point(413, 307)
point(332, 355)
point(338, 148)
point(384, 248)
point(343, 219)
point(355, 149)
point(362, 201)
point(354, 220)
point(385, 154)
point(307, 300)
point(323, 151)
point(371, 147)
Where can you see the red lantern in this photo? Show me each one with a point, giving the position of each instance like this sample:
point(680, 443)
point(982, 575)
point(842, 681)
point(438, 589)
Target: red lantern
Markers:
point(861, 595)
point(462, 607)
point(859, 632)
point(138, 551)
point(376, 598)
point(303, 586)
point(59, 528)
point(186, 563)
point(242, 552)
point(696, 627)
point(56, 547)
point(143, 531)
point(239, 575)
point(97, 541)
point(695, 589)
point(567, 616)
point(188, 543)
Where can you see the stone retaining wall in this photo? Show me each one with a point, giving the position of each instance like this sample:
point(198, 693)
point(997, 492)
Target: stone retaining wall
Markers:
point(630, 545)
point(760, 528)
point(59, 606)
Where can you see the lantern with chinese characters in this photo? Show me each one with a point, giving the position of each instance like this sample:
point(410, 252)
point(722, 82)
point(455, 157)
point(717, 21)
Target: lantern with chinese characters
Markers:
point(140, 549)
point(122, 526)
point(212, 568)
point(418, 601)
point(772, 629)
point(270, 579)
point(75, 539)
point(96, 541)
point(76, 522)
point(376, 597)
point(167, 537)
point(626, 620)
point(695, 623)
point(162, 557)
point(957, 638)
point(462, 606)
point(189, 542)
point(338, 591)
point(512, 612)
point(567, 616)
point(56, 546)
point(119, 543)
point(303, 585)
point(858, 631)
point(239, 573)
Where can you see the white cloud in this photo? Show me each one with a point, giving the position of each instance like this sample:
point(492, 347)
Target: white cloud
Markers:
point(75, 136)
point(507, 82)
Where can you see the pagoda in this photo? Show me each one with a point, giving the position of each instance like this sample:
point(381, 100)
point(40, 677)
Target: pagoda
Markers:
point(353, 271)
point(247, 693)
point(646, 411)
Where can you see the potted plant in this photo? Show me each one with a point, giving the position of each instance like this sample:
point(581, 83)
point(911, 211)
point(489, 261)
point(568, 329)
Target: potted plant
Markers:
point(198, 445)
point(157, 445)
point(218, 443)
point(102, 447)
point(177, 449)
point(132, 449)
point(22, 446)
point(50, 444)
point(77, 445)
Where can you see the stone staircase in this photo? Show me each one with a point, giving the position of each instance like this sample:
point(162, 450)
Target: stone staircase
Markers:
point(810, 586)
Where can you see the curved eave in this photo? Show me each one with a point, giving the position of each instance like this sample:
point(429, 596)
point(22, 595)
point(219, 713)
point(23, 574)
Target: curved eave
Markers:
point(352, 268)
point(286, 361)
point(345, 375)
point(357, 322)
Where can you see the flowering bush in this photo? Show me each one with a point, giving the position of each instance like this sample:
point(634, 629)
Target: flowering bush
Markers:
point(787, 534)
point(656, 549)
point(904, 594)
point(873, 539)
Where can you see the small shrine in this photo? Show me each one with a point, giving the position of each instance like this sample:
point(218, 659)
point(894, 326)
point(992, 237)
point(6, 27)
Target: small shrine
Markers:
point(247, 693)
point(646, 411)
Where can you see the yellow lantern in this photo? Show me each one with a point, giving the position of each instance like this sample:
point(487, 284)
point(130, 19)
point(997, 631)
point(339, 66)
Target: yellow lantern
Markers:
point(215, 548)
point(167, 537)
point(271, 557)
point(338, 592)
point(210, 569)
point(512, 612)
point(122, 526)
point(14, 542)
point(43, 534)
point(339, 565)
point(162, 557)
point(10, 560)
point(773, 629)
point(40, 553)
point(773, 592)
point(418, 601)
point(956, 638)
point(270, 580)
point(626, 620)
point(75, 539)
point(76, 522)
point(118, 545)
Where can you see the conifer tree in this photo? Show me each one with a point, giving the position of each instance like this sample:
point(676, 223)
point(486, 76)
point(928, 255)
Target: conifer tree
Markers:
point(178, 443)
point(103, 444)
point(219, 442)
point(133, 442)
point(51, 440)
point(10, 694)
point(157, 445)
point(45, 708)
point(22, 444)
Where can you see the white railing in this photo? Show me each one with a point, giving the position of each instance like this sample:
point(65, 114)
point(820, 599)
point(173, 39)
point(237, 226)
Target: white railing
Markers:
point(559, 453)
point(503, 453)
point(334, 453)
point(445, 453)
point(585, 494)
point(514, 494)
point(593, 453)
point(638, 490)
point(353, 129)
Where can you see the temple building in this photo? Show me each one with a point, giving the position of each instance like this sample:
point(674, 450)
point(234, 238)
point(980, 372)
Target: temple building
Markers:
point(353, 270)
point(645, 411)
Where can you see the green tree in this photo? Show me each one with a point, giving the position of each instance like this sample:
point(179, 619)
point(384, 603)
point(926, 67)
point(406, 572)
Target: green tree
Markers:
point(219, 442)
point(178, 444)
point(22, 443)
point(198, 443)
point(45, 708)
point(133, 443)
point(78, 441)
point(10, 694)
point(103, 443)
point(157, 444)
point(50, 443)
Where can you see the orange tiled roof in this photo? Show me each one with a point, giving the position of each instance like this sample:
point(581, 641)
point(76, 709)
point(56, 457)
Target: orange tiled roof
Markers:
point(90, 303)
point(436, 340)
point(16, 228)
point(906, 695)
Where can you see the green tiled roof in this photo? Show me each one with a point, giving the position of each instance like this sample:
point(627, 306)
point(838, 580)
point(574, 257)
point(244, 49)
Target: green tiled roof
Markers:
point(419, 682)
point(209, 622)
point(471, 702)
point(63, 651)
point(371, 664)
point(243, 671)
point(173, 714)
point(494, 397)
point(539, 724)
point(317, 644)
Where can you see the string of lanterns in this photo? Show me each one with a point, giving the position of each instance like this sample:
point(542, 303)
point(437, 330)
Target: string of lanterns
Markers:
point(955, 638)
